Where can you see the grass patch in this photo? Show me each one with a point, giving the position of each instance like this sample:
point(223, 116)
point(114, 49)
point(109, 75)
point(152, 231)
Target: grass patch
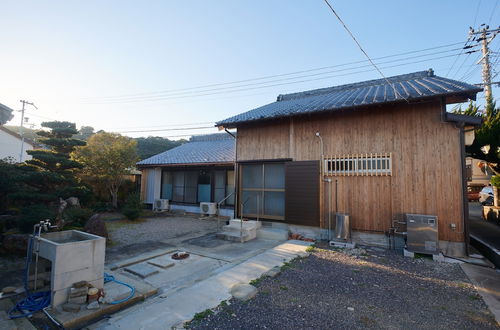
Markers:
point(283, 287)
point(474, 297)
point(256, 281)
point(201, 315)
point(287, 265)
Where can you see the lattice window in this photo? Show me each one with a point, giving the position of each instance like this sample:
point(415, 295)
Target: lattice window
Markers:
point(358, 165)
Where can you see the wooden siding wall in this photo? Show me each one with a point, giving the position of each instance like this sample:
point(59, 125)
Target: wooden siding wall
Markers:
point(426, 175)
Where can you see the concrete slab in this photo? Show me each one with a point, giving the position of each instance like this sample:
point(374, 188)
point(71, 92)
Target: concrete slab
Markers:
point(162, 262)
point(487, 283)
point(85, 316)
point(142, 270)
point(165, 312)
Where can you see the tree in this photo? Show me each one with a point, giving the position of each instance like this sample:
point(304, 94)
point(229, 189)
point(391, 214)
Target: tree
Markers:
point(486, 144)
point(152, 145)
point(85, 132)
point(50, 174)
point(108, 158)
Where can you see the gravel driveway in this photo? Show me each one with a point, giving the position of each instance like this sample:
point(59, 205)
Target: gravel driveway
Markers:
point(377, 289)
point(132, 238)
point(158, 229)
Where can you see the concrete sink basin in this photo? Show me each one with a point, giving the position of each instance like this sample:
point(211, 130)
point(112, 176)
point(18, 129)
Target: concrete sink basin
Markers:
point(75, 256)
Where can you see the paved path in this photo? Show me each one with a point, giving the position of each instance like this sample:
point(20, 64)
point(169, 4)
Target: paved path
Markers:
point(171, 311)
point(484, 230)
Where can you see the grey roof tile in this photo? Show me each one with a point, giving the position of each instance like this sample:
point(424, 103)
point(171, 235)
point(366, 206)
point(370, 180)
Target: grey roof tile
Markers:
point(398, 88)
point(211, 148)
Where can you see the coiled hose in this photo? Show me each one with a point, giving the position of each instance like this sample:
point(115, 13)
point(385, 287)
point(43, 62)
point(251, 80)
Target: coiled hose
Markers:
point(33, 302)
point(111, 278)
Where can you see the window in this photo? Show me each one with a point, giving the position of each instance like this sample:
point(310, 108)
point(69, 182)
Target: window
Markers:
point(166, 185)
point(263, 190)
point(358, 165)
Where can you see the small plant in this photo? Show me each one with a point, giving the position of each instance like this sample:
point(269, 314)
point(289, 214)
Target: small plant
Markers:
point(311, 248)
point(256, 281)
point(77, 216)
point(201, 315)
point(133, 207)
point(283, 287)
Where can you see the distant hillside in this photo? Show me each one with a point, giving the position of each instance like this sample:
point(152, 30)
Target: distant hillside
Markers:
point(152, 145)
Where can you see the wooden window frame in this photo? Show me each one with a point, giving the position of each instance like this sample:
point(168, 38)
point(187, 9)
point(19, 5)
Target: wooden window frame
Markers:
point(373, 164)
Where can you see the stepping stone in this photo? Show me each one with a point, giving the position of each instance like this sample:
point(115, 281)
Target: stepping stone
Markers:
point(142, 270)
point(162, 261)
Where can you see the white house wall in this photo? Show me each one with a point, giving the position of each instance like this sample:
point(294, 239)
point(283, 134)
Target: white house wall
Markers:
point(10, 146)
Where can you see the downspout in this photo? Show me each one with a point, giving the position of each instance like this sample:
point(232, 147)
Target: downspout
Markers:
point(236, 174)
point(463, 171)
point(329, 181)
point(465, 200)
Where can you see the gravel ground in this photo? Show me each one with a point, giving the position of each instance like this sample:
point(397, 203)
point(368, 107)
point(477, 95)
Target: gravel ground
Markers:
point(374, 289)
point(158, 229)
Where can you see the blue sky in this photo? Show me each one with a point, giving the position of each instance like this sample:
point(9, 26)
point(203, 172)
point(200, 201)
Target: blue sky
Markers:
point(69, 57)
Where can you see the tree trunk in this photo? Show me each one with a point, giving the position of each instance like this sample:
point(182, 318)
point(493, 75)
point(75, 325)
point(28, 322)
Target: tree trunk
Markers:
point(114, 197)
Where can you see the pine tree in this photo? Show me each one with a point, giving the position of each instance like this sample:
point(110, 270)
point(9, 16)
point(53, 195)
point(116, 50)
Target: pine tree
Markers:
point(50, 174)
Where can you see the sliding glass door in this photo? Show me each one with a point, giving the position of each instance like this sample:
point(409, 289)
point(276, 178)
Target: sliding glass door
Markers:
point(263, 190)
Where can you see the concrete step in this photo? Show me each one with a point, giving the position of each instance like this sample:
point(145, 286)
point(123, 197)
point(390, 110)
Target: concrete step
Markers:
point(246, 223)
point(277, 234)
point(235, 236)
point(237, 229)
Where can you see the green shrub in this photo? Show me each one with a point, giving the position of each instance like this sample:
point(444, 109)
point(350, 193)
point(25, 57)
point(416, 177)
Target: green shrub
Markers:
point(495, 181)
point(30, 215)
point(133, 207)
point(77, 216)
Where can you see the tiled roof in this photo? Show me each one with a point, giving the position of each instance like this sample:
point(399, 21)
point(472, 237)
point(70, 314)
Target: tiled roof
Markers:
point(211, 148)
point(418, 85)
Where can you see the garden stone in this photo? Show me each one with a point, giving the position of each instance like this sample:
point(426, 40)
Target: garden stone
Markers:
point(243, 292)
point(8, 289)
point(95, 225)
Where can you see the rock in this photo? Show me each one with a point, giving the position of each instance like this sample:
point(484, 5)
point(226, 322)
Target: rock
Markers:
point(351, 309)
point(95, 225)
point(273, 272)
point(243, 292)
point(80, 284)
point(72, 308)
point(9, 289)
point(355, 252)
point(93, 305)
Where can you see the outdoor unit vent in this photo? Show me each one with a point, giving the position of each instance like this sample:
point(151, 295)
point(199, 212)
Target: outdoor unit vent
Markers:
point(161, 205)
point(422, 231)
point(208, 208)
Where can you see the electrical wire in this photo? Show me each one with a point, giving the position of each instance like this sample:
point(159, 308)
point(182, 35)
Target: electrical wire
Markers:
point(264, 86)
point(362, 50)
point(270, 76)
point(275, 80)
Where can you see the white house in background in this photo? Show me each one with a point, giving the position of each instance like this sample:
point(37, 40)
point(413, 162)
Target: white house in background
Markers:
point(10, 145)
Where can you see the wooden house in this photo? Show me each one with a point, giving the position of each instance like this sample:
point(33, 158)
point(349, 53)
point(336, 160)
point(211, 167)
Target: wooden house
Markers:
point(375, 150)
point(201, 170)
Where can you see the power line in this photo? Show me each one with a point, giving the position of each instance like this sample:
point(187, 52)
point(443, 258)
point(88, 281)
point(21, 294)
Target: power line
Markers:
point(132, 98)
point(270, 76)
point(362, 50)
point(168, 129)
point(266, 86)
point(176, 125)
point(493, 11)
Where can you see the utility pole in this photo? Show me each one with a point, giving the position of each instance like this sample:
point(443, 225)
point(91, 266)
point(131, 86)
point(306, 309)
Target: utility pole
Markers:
point(21, 127)
point(485, 36)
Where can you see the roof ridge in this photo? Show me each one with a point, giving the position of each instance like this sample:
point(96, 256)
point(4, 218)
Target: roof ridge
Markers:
point(373, 82)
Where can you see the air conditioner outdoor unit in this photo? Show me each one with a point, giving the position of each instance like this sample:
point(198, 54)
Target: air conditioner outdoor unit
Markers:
point(161, 205)
point(208, 208)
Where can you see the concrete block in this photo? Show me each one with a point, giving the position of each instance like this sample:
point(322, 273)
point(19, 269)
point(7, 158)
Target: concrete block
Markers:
point(273, 272)
point(243, 292)
point(78, 292)
point(142, 270)
point(77, 300)
point(162, 261)
point(438, 257)
point(408, 254)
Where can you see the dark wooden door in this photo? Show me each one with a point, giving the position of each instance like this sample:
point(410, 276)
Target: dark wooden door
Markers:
point(302, 181)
